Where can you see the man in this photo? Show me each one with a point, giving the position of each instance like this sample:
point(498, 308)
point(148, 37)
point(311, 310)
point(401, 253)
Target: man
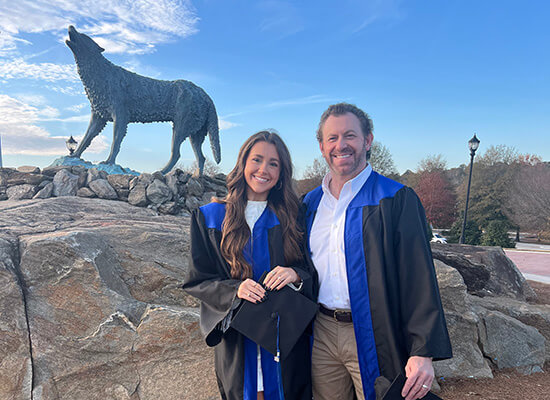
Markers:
point(380, 310)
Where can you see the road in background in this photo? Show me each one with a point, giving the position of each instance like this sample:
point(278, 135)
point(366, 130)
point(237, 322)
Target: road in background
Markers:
point(533, 260)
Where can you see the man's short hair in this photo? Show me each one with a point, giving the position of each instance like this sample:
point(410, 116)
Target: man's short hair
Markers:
point(343, 108)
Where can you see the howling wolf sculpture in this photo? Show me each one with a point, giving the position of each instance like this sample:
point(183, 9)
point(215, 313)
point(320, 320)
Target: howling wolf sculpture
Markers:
point(122, 97)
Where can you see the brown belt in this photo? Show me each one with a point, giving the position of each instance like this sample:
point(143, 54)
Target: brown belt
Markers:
point(338, 315)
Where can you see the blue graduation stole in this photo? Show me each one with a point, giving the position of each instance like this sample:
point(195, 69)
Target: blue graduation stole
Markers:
point(256, 253)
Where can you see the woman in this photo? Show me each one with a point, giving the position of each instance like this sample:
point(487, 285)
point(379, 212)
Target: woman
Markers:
point(233, 242)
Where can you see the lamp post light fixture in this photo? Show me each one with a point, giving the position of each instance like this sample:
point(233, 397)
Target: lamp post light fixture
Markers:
point(473, 144)
point(71, 145)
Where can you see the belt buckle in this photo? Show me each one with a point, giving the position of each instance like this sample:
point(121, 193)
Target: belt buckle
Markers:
point(335, 315)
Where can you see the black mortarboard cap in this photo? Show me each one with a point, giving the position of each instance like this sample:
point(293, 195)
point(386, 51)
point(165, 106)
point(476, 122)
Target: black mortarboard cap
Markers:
point(394, 391)
point(258, 322)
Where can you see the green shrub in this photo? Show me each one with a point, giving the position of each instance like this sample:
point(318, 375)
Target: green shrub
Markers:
point(472, 234)
point(496, 234)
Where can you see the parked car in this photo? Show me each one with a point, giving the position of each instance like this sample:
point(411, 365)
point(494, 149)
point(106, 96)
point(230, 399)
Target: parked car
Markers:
point(437, 238)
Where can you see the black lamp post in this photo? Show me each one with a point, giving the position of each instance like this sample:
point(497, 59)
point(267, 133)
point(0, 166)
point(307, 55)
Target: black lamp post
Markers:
point(473, 144)
point(71, 145)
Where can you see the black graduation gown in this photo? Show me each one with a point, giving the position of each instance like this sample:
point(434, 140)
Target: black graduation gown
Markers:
point(210, 281)
point(394, 295)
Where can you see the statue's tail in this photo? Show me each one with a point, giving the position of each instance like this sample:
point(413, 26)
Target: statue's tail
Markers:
point(213, 132)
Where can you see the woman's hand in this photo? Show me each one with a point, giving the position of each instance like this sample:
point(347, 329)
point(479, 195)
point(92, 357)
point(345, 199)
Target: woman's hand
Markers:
point(251, 291)
point(279, 277)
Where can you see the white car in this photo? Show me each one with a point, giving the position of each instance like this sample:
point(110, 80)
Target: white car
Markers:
point(437, 238)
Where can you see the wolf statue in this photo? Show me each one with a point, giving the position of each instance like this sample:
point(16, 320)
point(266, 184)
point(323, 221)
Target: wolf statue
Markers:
point(122, 97)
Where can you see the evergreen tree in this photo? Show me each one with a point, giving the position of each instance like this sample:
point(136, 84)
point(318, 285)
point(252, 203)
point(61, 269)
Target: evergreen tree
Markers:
point(472, 234)
point(496, 234)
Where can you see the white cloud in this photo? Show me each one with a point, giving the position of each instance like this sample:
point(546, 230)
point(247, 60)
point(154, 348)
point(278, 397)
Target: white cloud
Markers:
point(69, 89)
point(31, 99)
point(21, 134)
point(18, 68)
point(77, 107)
point(123, 26)
point(224, 125)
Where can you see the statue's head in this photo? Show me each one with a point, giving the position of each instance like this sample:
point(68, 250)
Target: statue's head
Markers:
point(81, 44)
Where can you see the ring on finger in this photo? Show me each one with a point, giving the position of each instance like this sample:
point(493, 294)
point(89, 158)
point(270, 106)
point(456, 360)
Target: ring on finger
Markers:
point(425, 387)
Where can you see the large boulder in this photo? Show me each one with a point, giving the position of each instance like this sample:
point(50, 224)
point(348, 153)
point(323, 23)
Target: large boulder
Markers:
point(19, 192)
point(535, 315)
point(158, 192)
point(486, 270)
point(15, 359)
point(102, 189)
point(121, 184)
point(45, 192)
point(107, 316)
point(511, 344)
point(468, 360)
point(65, 183)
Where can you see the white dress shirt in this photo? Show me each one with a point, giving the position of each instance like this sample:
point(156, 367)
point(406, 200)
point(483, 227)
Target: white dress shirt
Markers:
point(327, 241)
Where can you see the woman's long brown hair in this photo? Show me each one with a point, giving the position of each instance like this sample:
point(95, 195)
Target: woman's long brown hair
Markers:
point(282, 199)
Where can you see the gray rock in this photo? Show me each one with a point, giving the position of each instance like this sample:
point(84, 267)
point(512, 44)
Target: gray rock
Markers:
point(535, 315)
point(170, 207)
point(158, 192)
point(138, 195)
point(19, 192)
point(119, 181)
point(15, 364)
point(486, 270)
point(20, 178)
point(146, 178)
point(159, 175)
point(51, 171)
point(65, 184)
point(43, 184)
point(509, 343)
point(468, 360)
point(103, 190)
point(172, 181)
point(3, 179)
point(194, 187)
point(82, 178)
point(28, 169)
point(85, 192)
point(207, 197)
point(93, 174)
point(45, 192)
point(105, 304)
point(192, 203)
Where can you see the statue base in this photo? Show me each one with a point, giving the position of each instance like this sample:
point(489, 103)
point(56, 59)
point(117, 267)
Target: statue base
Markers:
point(109, 168)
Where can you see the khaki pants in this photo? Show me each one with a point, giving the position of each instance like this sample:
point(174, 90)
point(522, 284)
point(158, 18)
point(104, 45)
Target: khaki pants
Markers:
point(334, 362)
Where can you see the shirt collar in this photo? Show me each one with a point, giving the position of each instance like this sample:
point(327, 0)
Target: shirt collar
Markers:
point(353, 185)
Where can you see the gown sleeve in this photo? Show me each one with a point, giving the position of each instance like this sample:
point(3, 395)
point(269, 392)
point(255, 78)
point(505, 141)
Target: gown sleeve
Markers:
point(208, 281)
point(422, 316)
point(304, 267)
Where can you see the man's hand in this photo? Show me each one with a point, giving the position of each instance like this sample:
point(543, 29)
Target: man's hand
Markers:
point(420, 374)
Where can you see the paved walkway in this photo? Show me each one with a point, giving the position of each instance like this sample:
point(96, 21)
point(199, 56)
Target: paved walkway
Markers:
point(534, 265)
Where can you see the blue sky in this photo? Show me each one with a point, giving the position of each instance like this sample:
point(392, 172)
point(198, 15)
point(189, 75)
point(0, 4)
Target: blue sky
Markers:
point(430, 73)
